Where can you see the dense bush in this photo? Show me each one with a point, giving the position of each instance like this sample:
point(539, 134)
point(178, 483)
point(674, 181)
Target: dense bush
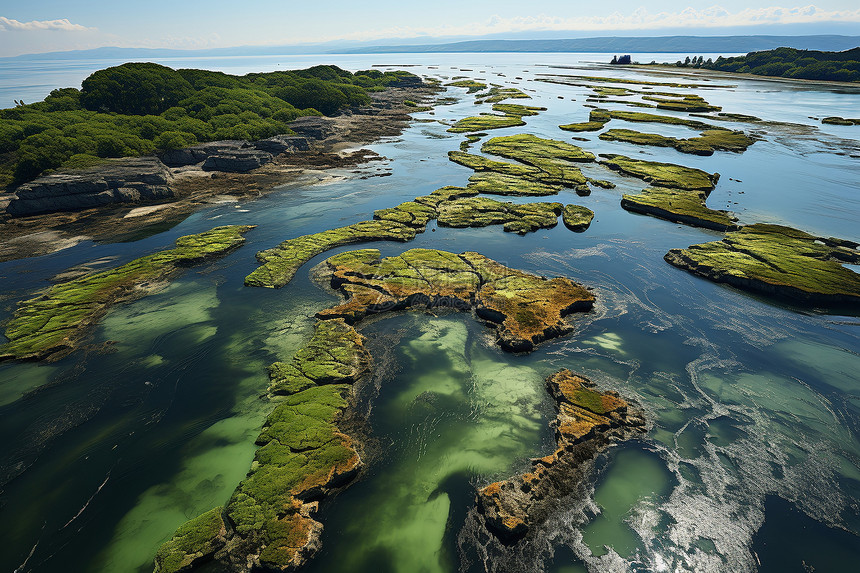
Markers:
point(790, 63)
point(138, 108)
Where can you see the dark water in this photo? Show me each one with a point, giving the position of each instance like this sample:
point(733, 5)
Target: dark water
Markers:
point(752, 462)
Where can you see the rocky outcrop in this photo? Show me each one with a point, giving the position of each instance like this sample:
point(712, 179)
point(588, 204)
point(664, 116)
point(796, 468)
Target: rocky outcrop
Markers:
point(127, 180)
point(577, 218)
point(282, 144)
point(781, 262)
point(237, 161)
point(525, 309)
point(588, 422)
point(314, 127)
point(53, 324)
point(199, 153)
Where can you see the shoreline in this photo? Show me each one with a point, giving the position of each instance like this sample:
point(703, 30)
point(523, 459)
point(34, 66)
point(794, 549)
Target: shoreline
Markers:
point(194, 189)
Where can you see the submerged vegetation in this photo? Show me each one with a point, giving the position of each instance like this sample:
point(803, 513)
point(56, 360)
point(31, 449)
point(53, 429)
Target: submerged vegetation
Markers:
point(53, 324)
point(303, 452)
point(136, 109)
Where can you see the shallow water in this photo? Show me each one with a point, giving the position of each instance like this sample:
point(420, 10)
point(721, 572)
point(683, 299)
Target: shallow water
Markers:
point(753, 405)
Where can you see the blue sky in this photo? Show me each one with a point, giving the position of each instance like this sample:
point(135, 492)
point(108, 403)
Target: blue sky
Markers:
point(39, 26)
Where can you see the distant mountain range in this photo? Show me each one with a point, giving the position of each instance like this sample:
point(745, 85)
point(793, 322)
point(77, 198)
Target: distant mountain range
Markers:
point(609, 44)
point(614, 44)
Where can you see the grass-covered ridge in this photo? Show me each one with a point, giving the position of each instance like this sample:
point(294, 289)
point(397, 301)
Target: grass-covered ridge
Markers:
point(138, 108)
point(778, 261)
point(52, 324)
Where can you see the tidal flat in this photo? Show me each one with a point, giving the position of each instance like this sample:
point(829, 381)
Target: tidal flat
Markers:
point(749, 399)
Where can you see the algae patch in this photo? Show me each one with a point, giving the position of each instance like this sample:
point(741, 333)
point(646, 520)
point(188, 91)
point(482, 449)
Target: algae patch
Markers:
point(53, 324)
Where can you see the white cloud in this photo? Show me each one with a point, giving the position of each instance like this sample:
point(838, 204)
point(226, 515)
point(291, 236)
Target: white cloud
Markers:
point(639, 19)
point(9, 25)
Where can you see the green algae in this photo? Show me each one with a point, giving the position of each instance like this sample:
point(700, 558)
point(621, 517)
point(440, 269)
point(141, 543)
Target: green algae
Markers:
point(555, 159)
point(471, 139)
point(279, 265)
point(705, 144)
point(661, 174)
point(597, 118)
point(471, 85)
point(492, 183)
point(778, 261)
point(835, 120)
point(303, 454)
point(681, 206)
point(193, 543)
point(485, 164)
point(497, 94)
point(658, 118)
point(724, 116)
point(601, 183)
point(685, 103)
point(486, 121)
point(53, 324)
point(517, 110)
point(577, 218)
point(334, 355)
point(410, 213)
point(482, 211)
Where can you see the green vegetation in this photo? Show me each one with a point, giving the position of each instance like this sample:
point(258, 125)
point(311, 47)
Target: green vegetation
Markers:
point(193, 543)
point(662, 174)
point(552, 157)
point(656, 118)
point(791, 63)
point(481, 163)
point(679, 205)
point(576, 217)
point(492, 183)
point(834, 120)
point(486, 121)
point(53, 324)
point(471, 85)
point(471, 139)
point(685, 103)
point(303, 454)
point(517, 110)
point(778, 261)
point(280, 264)
point(705, 144)
point(482, 211)
point(597, 118)
point(136, 109)
point(497, 94)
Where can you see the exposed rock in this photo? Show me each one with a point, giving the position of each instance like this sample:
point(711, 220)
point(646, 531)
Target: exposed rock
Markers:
point(577, 218)
point(835, 120)
point(53, 324)
point(781, 262)
point(237, 161)
point(313, 127)
point(588, 422)
point(681, 206)
point(127, 180)
point(525, 309)
point(199, 153)
point(281, 144)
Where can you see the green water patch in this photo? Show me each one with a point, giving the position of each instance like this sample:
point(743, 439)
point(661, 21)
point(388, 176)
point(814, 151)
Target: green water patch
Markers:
point(633, 478)
point(16, 381)
point(821, 364)
point(455, 411)
point(53, 324)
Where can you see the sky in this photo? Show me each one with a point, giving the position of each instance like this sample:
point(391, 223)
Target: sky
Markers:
point(33, 26)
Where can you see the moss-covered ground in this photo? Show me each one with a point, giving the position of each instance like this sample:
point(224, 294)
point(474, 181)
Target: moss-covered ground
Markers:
point(679, 205)
point(53, 324)
point(576, 217)
point(492, 183)
point(482, 211)
point(486, 121)
point(597, 118)
point(685, 103)
point(705, 144)
point(470, 85)
point(555, 159)
point(662, 174)
point(778, 261)
point(303, 453)
point(497, 94)
point(835, 120)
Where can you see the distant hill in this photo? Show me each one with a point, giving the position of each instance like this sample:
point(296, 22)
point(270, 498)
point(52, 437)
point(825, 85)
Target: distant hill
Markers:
point(675, 44)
